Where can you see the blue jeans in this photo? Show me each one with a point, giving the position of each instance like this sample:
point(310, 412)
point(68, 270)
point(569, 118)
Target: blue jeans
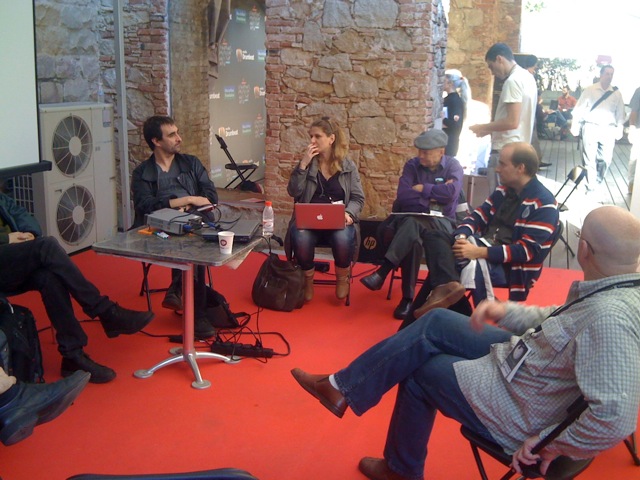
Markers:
point(342, 243)
point(420, 360)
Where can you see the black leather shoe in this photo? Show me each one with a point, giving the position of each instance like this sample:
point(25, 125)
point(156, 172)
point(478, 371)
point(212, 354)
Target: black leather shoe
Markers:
point(119, 320)
point(202, 328)
point(81, 361)
point(33, 404)
point(320, 387)
point(373, 282)
point(402, 309)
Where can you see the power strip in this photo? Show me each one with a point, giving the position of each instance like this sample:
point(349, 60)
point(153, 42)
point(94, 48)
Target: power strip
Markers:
point(241, 350)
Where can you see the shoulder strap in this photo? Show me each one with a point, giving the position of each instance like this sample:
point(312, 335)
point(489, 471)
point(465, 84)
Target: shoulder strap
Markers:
point(603, 97)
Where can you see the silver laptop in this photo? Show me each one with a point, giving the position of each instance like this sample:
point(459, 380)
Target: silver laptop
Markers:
point(244, 231)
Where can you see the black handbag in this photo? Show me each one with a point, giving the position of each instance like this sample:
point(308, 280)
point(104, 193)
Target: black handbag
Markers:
point(279, 284)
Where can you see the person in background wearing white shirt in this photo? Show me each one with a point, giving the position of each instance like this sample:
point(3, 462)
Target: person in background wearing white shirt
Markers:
point(598, 118)
point(516, 110)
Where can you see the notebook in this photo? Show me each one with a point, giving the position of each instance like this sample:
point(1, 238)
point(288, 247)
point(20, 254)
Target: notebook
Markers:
point(320, 216)
point(244, 231)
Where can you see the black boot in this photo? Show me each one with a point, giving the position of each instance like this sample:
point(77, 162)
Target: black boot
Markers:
point(173, 301)
point(202, 327)
point(33, 404)
point(81, 361)
point(119, 320)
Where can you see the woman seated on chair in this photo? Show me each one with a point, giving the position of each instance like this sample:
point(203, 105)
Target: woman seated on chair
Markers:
point(325, 175)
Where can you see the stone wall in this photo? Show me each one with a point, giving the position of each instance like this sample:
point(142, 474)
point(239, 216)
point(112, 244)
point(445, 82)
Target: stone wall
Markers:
point(474, 26)
point(375, 66)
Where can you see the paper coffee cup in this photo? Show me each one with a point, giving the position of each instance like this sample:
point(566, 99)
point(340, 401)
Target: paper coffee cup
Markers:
point(225, 239)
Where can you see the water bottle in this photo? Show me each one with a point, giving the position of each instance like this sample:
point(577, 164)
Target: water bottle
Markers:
point(267, 219)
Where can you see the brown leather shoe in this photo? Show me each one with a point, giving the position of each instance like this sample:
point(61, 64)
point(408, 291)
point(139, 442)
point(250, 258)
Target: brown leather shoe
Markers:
point(319, 387)
point(443, 296)
point(377, 469)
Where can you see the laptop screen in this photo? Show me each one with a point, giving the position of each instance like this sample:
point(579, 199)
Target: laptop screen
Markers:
point(320, 216)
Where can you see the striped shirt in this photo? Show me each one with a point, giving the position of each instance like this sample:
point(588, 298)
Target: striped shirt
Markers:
point(532, 237)
point(591, 349)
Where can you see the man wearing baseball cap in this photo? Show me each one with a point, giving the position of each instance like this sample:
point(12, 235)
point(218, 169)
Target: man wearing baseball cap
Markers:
point(430, 183)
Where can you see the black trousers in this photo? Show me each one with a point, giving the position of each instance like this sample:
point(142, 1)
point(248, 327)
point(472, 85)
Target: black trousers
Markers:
point(199, 288)
point(442, 269)
point(43, 265)
point(405, 236)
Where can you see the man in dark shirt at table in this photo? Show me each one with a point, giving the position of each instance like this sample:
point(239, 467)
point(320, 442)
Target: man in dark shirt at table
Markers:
point(430, 183)
point(170, 179)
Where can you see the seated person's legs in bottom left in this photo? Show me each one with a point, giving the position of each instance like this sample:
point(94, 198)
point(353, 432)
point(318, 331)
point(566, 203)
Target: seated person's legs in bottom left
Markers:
point(24, 406)
point(43, 265)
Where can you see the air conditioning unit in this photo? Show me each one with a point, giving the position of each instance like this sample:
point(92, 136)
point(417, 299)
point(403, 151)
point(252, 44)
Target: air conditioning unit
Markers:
point(76, 201)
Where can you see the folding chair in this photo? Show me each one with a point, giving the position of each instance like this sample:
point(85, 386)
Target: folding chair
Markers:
point(576, 175)
point(562, 468)
point(241, 170)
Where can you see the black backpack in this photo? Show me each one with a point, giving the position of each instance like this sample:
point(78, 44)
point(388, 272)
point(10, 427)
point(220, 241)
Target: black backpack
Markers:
point(20, 353)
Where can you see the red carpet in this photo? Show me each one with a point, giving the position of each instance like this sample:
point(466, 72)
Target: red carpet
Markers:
point(254, 416)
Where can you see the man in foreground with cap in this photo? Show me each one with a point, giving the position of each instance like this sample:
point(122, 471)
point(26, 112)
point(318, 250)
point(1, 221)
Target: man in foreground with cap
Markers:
point(430, 183)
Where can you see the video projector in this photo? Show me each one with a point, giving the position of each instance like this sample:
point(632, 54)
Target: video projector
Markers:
point(172, 221)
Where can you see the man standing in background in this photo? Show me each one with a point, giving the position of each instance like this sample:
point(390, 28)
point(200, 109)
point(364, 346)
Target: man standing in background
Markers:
point(515, 113)
point(598, 118)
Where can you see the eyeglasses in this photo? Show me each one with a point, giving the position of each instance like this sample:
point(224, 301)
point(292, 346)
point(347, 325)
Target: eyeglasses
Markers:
point(579, 235)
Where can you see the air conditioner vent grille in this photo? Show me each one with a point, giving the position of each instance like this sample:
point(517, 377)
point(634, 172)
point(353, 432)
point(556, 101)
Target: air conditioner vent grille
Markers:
point(72, 145)
point(75, 214)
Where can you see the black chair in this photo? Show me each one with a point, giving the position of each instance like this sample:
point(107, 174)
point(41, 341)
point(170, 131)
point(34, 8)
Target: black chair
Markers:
point(632, 445)
point(243, 172)
point(575, 176)
point(562, 468)
point(216, 474)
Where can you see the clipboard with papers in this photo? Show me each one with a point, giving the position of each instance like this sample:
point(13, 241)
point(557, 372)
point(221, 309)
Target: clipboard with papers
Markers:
point(419, 214)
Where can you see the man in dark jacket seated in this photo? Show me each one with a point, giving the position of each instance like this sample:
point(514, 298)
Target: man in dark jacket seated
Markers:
point(170, 179)
point(29, 261)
